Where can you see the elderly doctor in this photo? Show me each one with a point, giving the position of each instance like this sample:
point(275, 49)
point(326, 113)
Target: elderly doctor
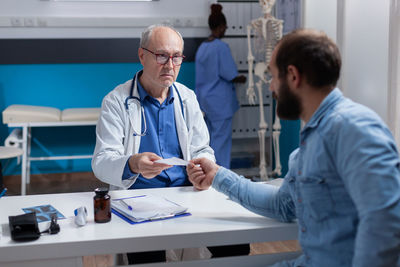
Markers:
point(149, 118)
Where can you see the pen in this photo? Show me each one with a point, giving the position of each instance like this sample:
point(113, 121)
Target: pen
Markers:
point(3, 192)
point(125, 204)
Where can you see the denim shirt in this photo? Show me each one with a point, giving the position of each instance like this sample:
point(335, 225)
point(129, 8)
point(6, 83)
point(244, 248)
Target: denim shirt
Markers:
point(343, 187)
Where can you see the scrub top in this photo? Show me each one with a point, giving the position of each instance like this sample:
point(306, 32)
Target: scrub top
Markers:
point(215, 70)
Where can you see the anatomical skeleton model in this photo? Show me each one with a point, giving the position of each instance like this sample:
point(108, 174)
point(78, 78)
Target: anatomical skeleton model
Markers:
point(267, 31)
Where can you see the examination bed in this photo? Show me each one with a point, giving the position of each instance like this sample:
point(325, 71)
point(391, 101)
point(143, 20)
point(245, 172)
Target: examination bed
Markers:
point(25, 117)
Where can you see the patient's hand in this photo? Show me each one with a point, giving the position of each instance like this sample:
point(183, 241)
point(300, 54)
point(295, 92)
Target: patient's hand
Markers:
point(144, 164)
point(202, 176)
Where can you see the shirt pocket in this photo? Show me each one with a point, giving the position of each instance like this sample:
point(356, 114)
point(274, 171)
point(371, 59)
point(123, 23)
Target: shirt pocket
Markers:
point(316, 197)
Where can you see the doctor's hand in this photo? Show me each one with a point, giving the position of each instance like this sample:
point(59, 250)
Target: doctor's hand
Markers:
point(202, 176)
point(144, 164)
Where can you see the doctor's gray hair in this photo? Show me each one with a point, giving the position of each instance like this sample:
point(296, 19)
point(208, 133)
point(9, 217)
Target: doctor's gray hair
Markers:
point(146, 34)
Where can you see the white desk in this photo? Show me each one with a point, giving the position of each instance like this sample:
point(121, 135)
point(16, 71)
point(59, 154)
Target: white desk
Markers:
point(215, 220)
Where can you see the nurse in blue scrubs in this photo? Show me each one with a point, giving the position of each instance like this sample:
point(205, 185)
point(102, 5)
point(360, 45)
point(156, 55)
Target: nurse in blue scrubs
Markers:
point(216, 74)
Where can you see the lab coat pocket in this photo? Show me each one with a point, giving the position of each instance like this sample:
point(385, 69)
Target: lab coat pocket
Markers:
point(316, 197)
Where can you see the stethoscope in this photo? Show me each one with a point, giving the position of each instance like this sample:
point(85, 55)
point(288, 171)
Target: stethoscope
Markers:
point(135, 98)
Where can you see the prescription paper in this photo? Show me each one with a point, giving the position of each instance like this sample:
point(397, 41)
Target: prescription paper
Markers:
point(173, 161)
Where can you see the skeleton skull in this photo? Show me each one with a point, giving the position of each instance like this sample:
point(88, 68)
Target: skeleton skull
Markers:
point(267, 6)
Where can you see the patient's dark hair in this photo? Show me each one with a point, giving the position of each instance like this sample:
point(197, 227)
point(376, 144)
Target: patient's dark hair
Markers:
point(216, 17)
point(314, 55)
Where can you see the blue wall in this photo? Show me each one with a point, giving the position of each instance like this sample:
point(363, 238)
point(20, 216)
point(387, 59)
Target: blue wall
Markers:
point(79, 85)
point(64, 86)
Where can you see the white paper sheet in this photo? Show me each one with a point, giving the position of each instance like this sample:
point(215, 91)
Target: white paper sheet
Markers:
point(173, 161)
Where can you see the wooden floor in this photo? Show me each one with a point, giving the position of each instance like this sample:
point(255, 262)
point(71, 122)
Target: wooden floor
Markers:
point(53, 183)
point(86, 181)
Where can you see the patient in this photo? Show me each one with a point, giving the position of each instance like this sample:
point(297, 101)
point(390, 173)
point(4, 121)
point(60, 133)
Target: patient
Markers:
point(343, 183)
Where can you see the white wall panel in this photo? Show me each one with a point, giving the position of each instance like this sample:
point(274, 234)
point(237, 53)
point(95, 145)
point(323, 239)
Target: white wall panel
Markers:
point(362, 29)
point(321, 15)
point(365, 53)
point(38, 19)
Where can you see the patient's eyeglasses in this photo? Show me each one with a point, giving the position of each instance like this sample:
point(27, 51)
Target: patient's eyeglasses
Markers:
point(163, 59)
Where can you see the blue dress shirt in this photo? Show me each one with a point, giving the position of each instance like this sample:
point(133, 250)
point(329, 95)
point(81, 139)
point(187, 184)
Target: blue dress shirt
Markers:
point(343, 186)
point(162, 139)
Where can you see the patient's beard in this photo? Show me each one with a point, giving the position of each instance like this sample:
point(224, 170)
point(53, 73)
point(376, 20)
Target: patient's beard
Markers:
point(288, 104)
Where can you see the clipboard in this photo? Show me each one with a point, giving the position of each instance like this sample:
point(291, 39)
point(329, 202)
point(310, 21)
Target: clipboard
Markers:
point(146, 208)
point(163, 218)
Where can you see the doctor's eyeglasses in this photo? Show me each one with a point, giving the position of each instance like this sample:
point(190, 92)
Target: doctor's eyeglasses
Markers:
point(163, 59)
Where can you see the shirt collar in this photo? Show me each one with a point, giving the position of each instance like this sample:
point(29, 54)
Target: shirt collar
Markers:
point(143, 94)
point(325, 105)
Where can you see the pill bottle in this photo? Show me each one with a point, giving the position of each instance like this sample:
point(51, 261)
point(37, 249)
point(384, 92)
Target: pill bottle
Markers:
point(102, 207)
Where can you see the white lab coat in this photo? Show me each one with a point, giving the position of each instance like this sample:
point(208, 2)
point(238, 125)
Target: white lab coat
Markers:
point(115, 140)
